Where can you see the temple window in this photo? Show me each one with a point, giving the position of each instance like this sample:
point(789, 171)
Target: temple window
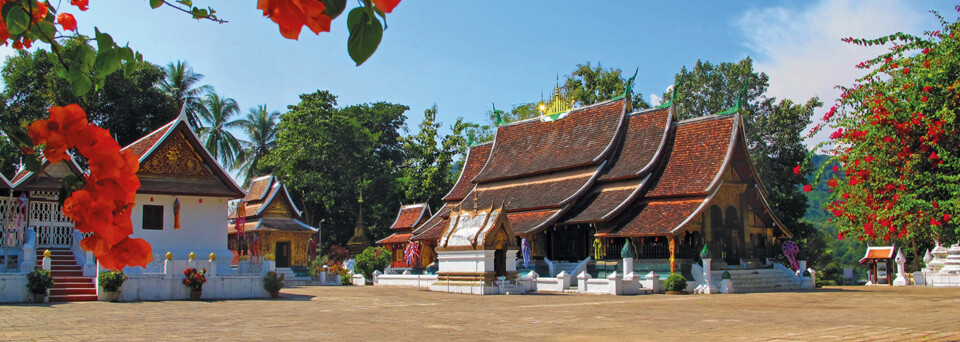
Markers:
point(152, 217)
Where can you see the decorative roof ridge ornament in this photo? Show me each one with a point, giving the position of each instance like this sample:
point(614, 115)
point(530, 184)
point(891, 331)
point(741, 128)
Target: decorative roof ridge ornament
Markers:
point(739, 105)
point(628, 91)
point(498, 116)
point(673, 97)
point(558, 107)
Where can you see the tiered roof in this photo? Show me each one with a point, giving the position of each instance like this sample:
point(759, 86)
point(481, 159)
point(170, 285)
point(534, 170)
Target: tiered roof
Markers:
point(634, 174)
point(48, 180)
point(269, 207)
point(409, 218)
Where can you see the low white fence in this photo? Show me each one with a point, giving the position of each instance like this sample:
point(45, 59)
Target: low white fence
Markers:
point(169, 284)
point(420, 281)
point(13, 288)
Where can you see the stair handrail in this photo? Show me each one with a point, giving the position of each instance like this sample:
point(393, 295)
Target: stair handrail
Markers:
point(582, 266)
point(83, 257)
point(550, 266)
point(29, 250)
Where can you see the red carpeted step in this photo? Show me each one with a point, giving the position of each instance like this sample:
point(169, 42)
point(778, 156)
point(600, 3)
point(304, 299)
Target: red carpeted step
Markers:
point(74, 279)
point(61, 284)
point(73, 298)
point(65, 268)
point(74, 291)
point(58, 273)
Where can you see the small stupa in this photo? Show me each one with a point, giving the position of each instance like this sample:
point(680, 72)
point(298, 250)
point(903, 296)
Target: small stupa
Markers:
point(359, 241)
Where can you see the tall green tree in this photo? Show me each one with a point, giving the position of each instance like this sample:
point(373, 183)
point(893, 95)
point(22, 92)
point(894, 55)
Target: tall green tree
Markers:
point(588, 85)
point(260, 126)
point(425, 175)
point(327, 155)
point(773, 131)
point(183, 85)
point(217, 112)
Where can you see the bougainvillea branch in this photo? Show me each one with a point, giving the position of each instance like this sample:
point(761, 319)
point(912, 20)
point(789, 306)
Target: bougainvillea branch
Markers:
point(894, 141)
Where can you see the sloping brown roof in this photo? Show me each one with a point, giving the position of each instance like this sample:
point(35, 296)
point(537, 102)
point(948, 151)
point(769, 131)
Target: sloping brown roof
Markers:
point(476, 158)
point(142, 146)
point(410, 216)
point(879, 252)
point(697, 157)
point(530, 221)
point(645, 136)
point(395, 239)
point(604, 201)
point(273, 224)
point(531, 146)
point(258, 188)
point(431, 230)
point(49, 179)
point(658, 217)
point(528, 193)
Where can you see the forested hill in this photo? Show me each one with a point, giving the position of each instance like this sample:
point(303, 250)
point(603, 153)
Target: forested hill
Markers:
point(844, 253)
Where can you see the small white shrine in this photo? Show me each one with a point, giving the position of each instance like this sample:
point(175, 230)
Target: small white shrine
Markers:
point(942, 267)
point(476, 253)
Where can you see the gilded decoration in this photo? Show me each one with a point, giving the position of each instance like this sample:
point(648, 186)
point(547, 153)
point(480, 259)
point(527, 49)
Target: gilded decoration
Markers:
point(500, 240)
point(299, 245)
point(175, 158)
point(278, 208)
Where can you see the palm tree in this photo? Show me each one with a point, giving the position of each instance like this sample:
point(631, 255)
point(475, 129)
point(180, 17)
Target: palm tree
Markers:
point(260, 125)
point(216, 112)
point(181, 83)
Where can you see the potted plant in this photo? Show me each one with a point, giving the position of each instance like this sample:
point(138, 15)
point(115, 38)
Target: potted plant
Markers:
point(38, 282)
point(675, 284)
point(195, 279)
point(110, 282)
point(272, 283)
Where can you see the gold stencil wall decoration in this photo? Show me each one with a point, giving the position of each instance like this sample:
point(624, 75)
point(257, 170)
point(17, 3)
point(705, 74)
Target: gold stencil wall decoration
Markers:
point(176, 158)
point(278, 208)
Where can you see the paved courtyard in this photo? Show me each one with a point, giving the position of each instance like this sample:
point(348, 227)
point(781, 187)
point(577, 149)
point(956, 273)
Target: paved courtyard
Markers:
point(384, 313)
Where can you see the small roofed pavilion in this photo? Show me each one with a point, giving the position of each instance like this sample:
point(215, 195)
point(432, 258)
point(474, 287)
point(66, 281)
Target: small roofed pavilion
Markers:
point(879, 263)
point(272, 219)
point(409, 217)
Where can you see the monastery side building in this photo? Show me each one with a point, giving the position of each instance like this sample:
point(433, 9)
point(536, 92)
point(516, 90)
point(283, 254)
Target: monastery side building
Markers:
point(583, 182)
point(272, 219)
point(409, 217)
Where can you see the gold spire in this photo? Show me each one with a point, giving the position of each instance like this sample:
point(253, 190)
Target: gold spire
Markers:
point(558, 103)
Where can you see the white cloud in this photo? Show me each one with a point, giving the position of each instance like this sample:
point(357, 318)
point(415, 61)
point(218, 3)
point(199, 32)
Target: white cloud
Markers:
point(801, 51)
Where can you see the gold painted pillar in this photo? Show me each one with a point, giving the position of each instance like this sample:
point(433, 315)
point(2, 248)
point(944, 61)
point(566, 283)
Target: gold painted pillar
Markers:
point(673, 249)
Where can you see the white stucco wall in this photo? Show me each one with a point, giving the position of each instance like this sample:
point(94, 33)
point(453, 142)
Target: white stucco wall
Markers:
point(203, 227)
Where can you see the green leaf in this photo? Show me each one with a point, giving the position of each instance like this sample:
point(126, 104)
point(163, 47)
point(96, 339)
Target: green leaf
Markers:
point(104, 41)
point(334, 7)
point(129, 68)
point(31, 163)
point(80, 86)
point(186, 2)
point(199, 13)
point(365, 35)
point(19, 136)
point(156, 3)
point(47, 29)
point(126, 54)
point(17, 21)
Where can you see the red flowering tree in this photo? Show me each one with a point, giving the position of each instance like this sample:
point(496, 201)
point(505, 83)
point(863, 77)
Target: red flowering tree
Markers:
point(895, 140)
point(101, 203)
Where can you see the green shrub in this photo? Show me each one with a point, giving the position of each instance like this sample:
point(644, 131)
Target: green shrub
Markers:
point(111, 280)
point(372, 260)
point(675, 283)
point(39, 281)
point(272, 283)
point(316, 265)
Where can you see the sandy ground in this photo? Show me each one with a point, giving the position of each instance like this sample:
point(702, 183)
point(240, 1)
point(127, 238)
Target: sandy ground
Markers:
point(384, 313)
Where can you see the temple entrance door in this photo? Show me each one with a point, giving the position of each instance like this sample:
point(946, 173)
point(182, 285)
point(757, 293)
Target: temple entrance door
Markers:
point(282, 254)
point(500, 262)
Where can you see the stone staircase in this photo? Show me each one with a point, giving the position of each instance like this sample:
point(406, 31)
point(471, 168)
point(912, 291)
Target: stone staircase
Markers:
point(564, 266)
point(761, 280)
point(69, 284)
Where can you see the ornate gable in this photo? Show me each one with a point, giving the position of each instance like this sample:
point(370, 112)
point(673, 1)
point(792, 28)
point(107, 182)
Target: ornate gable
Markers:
point(176, 158)
point(278, 208)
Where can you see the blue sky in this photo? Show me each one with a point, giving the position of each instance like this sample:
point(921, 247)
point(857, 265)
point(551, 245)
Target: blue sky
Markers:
point(464, 55)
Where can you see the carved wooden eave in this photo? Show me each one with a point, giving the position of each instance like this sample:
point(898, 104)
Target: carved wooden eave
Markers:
point(173, 161)
point(48, 179)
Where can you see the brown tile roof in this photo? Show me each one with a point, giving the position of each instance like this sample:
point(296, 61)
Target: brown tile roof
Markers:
point(395, 239)
point(584, 137)
point(879, 252)
point(659, 217)
point(143, 145)
point(645, 136)
point(696, 158)
point(431, 230)
point(527, 222)
point(410, 216)
point(273, 224)
point(257, 191)
point(604, 201)
point(476, 158)
point(537, 192)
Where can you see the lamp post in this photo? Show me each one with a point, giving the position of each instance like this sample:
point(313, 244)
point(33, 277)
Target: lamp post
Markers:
point(319, 235)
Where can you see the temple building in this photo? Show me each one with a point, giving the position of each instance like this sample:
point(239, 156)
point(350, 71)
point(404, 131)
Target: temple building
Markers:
point(580, 183)
point(409, 218)
point(271, 223)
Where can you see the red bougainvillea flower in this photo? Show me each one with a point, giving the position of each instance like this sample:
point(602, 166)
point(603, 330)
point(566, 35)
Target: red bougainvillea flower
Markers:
point(934, 156)
point(292, 15)
point(81, 4)
point(67, 21)
point(807, 188)
point(836, 168)
point(946, 218)
point(923, 99)
point(796, 170)
point(41, 11)
point(832, 182)
point(59, 132)
point(386, 6)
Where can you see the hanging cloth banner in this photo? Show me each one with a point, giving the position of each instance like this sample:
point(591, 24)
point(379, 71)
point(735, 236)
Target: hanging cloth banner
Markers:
point(598, 251)
point(241, 221)
point(408, 254)
point(255, 251)
point(790, 250)
point(673, 260)
point(176, 213)
point(525, 249)
point(21, 207)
